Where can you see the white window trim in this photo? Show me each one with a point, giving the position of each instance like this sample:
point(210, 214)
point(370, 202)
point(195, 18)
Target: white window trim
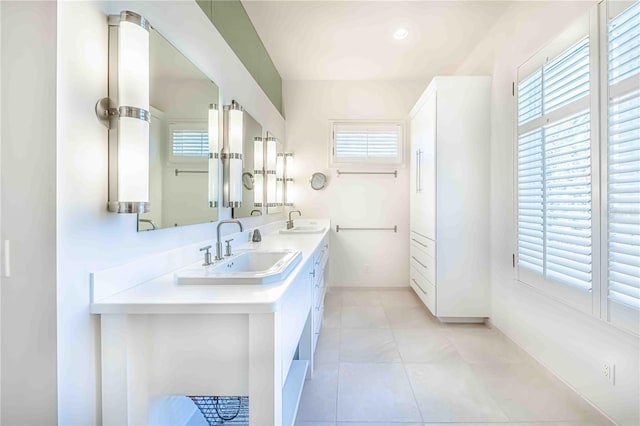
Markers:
point(595, 303)
point(367, 163)
point(611, 311)
point(184, 124)
point(578, 298)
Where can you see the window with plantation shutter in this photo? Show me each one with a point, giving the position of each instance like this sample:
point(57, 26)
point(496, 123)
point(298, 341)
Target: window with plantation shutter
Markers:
point(554, 182)
point(188, 141)
point(362, 142)
point(623, 158)
point(577, 166)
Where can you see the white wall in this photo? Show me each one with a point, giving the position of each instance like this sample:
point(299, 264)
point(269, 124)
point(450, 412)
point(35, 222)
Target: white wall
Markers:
point(358, 258)
point(29, 212)
point(90, 238)
point(571, 344)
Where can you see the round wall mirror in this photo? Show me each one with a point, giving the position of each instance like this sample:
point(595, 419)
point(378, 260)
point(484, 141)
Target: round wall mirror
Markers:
point(247, 180)
point(318, 181)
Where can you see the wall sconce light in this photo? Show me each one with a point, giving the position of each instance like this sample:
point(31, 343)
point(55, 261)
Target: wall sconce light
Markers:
point(289, 171)
point(232, 154)
point(214, 156)
point(271, 176)
point(258, 171)
point(125, 112)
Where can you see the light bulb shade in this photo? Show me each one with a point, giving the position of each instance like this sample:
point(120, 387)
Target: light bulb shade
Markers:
point(271, 190)
point(280, 166)
point(133, 65)
point(279, 192)
point(133, 160)
point(258, 155)
point(214, 160)
point(235, 131)
point(235, 183)
point(258, 190)
point(289, 193)
point(289, 170)
point(233, 122)
point(271, 153)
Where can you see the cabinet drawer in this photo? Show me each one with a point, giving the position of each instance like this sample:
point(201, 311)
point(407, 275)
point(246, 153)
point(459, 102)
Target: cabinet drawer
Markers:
point(424, 243)
point(423, 263)
point(425, 290)
point(318, 291)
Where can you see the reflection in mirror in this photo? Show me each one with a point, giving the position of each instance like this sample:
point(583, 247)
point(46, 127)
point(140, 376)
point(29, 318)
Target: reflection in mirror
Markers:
point(275, 175)
point(250, 182)
point(289, 185)
point(318, 181)
point(183, 179)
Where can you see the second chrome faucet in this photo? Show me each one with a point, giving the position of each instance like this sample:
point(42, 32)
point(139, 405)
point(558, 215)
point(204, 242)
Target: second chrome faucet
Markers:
point(219, 244)
point(290, 222)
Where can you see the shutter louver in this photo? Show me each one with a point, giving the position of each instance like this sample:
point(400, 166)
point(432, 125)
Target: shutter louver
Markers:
point(554, 170)
point(357, 142)
point(624, 160)
point(190, 143)
point(568, 200)
point(530, 201)
point(624, 45)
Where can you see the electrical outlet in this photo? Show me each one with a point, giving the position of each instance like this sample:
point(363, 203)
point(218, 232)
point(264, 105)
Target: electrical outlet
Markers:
point(609, 371)
point(366, 269)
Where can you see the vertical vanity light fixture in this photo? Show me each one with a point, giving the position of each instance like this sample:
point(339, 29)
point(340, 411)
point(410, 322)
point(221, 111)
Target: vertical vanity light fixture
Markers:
point(126, 113)
point(258, 171)
point(271, 177)
point(289, 171)
point(214, 157)
point(232, 155)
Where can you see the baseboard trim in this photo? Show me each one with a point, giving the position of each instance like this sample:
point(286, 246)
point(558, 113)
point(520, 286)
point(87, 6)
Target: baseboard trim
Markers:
point(494, 327)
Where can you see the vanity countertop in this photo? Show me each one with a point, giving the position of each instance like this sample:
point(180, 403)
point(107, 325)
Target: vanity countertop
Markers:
point(162, 295)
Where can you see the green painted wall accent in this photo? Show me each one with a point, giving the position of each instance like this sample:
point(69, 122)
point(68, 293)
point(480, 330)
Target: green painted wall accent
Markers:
point(232, 21)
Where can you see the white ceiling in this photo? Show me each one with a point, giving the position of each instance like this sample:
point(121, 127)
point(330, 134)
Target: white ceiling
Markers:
point(353, 40)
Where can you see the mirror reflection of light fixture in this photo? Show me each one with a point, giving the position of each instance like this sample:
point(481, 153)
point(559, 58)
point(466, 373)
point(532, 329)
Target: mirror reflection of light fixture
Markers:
point(280, 179)
point(289, 171)
point(232, 154)
point(258, 171)
point(271, 176)
point(214, 156)
point(125, 112)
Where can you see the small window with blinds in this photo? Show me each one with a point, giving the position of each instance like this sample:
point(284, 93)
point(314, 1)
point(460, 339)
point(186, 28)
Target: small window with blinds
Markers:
point(367, 142)
point(189, 141)
point(623, 170)
point(554, 205)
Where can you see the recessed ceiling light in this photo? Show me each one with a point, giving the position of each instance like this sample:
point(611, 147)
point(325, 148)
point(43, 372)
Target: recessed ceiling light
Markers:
point(400, 34)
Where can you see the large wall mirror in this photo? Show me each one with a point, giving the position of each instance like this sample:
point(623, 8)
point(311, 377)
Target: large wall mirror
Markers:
point(251, 184)
point(183, 176)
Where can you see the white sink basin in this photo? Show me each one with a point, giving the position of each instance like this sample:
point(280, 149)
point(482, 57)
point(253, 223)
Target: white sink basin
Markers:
point(303, 229)
point(251, 267)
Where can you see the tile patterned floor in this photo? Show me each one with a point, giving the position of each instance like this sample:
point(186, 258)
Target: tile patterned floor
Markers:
point(383, 359)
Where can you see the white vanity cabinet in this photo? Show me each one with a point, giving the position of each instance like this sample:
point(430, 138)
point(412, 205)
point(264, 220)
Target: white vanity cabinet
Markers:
point(159, 338)
point(319, 287)
point(449, 239)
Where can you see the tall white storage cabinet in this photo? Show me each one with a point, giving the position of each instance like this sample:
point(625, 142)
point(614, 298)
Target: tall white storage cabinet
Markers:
point(450, 131)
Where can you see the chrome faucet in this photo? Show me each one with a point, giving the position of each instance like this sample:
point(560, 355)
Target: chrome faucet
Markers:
point(218, 243)
point(290, 222)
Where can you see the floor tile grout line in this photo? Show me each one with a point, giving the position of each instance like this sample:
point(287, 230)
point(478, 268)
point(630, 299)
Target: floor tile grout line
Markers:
point(404, 369)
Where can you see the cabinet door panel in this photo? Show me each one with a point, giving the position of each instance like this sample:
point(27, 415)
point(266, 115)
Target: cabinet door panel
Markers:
point(428, 169)
point(417, 137)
